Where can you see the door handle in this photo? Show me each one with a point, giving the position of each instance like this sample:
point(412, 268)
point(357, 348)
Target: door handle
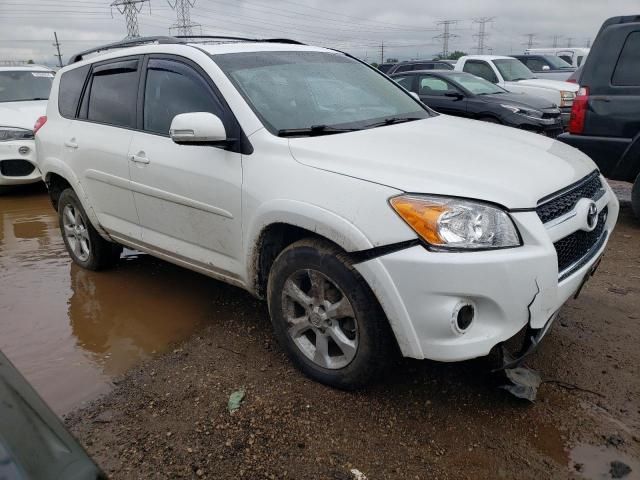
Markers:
point(71, 143)
point(138, 159)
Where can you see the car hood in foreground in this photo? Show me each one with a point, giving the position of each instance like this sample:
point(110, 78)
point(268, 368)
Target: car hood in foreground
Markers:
point(549, 84)
point(450, 156)
point(21, 114)
point(520, 100)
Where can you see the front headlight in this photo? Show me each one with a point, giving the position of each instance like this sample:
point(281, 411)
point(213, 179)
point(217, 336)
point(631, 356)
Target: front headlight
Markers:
point(14, 133)
point(452, 223)
point(527, 112)
point(566, 98)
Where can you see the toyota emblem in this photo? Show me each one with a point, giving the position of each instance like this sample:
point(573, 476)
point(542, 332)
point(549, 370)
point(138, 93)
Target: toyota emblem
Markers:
point(592, 216)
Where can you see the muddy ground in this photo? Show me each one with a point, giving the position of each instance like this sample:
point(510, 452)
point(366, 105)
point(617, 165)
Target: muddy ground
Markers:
point(168, 417)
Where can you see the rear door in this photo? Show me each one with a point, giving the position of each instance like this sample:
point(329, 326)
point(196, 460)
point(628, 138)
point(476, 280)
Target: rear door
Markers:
point(188, 196)
point(440, 95)
point(97, 142)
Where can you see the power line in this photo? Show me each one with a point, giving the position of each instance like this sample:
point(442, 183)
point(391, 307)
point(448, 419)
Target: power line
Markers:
point(446, 35)
point(130, 10)
point(57, 45)
point(183, 25)
point(530, 43)
point(482, 34)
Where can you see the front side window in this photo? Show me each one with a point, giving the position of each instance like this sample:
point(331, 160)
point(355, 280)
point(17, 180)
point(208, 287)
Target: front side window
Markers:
point(434, 86)
point(300, 90)
point(476, 85)
point(513, 70)
point(406, 82)
point(24, 85)
point(627, 71)
point(534, 64)
point(480, 69)
point(113, 93)
point(173, 88)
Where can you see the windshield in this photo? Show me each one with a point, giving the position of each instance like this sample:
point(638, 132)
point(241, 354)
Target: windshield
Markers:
point(22, 85)
point(299, 90)
point(557, 62)
point(476, 85)
point(513, 70)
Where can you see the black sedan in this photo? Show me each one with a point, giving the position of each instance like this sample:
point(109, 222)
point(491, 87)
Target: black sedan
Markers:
point(465, 95)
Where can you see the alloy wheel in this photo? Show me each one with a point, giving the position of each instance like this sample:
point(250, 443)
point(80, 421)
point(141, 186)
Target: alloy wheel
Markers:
point(76, 232)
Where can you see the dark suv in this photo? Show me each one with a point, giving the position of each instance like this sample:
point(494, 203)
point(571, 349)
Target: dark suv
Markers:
point(605, 117)
point(419, 65)
point(547, 66)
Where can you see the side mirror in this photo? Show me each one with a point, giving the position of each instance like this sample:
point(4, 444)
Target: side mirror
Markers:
point(456, 95)
point(198, 128)
point(546, 67)
point(415, 95)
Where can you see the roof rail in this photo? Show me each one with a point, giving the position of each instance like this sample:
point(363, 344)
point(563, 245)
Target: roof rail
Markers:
point(134, 42)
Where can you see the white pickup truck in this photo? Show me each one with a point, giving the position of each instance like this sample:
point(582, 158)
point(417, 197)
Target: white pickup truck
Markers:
point(514, 76)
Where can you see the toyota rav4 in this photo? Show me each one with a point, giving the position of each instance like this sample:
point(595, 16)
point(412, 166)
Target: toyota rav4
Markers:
point(315, 182)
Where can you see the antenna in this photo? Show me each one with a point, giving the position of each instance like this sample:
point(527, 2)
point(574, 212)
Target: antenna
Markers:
point(183, 25)
point(130, 10)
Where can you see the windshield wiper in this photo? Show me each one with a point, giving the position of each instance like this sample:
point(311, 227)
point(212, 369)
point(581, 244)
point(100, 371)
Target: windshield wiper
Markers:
point(313, 130)
point(391, 121)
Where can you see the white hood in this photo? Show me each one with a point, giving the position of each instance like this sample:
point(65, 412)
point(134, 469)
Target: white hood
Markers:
point(21, 114)
point(450, 156)
point(548, 84)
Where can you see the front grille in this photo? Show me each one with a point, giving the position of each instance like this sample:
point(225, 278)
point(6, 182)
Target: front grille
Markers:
point(16, 168)
point(555, 114)
point(576, 249)
point(563, 202)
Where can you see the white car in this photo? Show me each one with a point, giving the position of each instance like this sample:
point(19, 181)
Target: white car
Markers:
point(24, 91)
point(511, 74)
point(368, 222)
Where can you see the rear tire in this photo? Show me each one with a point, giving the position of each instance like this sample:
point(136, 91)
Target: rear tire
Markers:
point(635, 197)
point(84, 244)
point(326, 317)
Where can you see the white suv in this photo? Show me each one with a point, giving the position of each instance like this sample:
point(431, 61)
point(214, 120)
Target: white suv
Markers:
point(312, 180)
point(24, 91)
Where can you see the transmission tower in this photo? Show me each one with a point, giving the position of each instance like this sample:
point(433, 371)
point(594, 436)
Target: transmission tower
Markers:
point(183, 25)
point(569, 40)
point(555, 40)
point(446, 35)
point(482, 34)
point(530, 43)
point(130, 10)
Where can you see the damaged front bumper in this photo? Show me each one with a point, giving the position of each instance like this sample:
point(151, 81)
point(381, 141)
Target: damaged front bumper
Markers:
point(509, 291)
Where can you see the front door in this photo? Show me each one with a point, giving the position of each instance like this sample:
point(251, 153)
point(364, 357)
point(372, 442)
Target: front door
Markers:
point(188, 197)
point(441, 95)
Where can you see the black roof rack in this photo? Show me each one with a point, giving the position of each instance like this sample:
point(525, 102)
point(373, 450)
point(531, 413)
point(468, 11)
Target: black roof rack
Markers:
point(178, 39)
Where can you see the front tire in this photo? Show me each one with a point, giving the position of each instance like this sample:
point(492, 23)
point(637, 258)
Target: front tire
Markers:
point(84, 244)
point(326, 317)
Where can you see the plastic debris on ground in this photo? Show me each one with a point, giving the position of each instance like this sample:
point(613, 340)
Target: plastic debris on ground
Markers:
point(235, 399)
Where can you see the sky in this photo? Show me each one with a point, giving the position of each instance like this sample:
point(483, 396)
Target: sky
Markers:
point(407, 28)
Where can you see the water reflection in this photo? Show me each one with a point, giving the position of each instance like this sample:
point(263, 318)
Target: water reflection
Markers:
point(69, 330)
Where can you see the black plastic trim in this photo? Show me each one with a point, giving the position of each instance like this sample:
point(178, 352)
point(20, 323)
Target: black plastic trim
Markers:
point(365, 255)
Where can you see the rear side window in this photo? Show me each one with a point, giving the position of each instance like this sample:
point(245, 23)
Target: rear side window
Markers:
point(112, 98)
point(70, 89)
point(423, 66)
point(627, 71)
point(173, 88)
point(404, 68)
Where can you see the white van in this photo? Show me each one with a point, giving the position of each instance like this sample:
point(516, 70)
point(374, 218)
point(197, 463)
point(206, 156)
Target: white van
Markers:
point(573, 56)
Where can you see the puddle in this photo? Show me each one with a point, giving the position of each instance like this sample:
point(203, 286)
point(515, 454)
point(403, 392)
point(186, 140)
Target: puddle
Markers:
point(594, 462)
point(68, 330)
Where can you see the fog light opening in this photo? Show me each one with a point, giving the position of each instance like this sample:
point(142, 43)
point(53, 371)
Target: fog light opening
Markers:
point(463, 316)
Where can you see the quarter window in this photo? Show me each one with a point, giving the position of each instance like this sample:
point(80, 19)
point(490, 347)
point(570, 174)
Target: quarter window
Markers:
point(71, 83)
point(112, 99)
point(173, 88)
point(480, 69)
point(627, 71)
